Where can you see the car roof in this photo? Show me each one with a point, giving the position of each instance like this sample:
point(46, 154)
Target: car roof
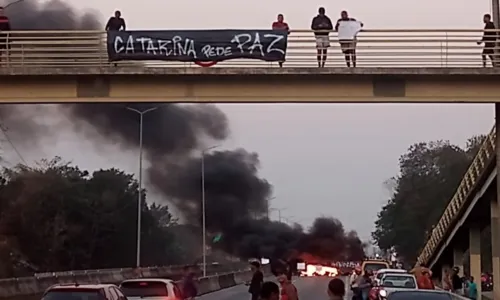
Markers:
point(423, 291)
point(163, 280)
point(63, 286)
point(393, 271)
point(399, 275)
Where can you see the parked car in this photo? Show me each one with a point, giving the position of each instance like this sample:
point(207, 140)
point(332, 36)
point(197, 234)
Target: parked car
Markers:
point(382, 272)
point(151, 289)
point(391, 283)
point(83, 291)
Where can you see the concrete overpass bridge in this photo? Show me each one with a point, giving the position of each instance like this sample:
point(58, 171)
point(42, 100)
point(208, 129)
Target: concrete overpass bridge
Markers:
point(392, 66)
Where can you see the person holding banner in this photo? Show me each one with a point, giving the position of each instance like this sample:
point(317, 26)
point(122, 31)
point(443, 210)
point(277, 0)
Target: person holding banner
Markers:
point(347, 29)
point(280, 24)
point(321, 24)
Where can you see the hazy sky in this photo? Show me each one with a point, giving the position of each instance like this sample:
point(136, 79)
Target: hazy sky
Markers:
point(321, 159)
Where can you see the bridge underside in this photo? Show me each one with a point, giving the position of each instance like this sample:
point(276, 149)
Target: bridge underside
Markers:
point(343, 85)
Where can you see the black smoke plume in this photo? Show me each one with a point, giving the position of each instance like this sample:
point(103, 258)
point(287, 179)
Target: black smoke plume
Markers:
point(174, 137)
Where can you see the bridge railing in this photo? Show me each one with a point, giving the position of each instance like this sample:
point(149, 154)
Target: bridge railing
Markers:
point(403, 48)
point(459, 199)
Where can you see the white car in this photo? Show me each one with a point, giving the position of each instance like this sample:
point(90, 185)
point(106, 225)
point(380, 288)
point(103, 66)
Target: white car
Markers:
point(396, 282)
point(383, 272)
point(151, 288)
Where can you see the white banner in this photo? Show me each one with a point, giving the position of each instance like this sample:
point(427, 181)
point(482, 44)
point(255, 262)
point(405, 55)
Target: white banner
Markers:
point(348, 29)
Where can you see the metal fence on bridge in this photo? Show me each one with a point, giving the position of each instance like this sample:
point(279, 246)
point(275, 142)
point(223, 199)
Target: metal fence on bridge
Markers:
point(457, 202)
point(442, 48)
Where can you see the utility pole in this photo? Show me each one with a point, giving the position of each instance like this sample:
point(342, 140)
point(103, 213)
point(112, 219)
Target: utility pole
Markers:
point(139, 198)
point(495, 7)
point(203, 212)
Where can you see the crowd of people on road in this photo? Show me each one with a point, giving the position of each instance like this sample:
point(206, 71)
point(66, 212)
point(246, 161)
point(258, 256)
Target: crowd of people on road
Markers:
point(463, 286)
point(360, 283)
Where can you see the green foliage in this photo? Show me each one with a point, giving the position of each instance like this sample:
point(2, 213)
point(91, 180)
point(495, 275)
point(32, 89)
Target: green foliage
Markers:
point(57, 217)
point(429, 176)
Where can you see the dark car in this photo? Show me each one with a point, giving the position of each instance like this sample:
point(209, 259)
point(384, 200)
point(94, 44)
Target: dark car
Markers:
point(420, 295)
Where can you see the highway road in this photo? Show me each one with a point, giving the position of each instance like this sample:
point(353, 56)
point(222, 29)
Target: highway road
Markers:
point(309, 288)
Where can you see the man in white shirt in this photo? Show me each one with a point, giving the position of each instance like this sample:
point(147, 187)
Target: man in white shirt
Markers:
point(347, 29)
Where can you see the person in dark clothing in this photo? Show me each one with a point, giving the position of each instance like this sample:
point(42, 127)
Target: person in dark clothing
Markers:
point(336, 289)
point(189, 290)
point(321, 24)
point(489, 39)
point(457, 282)
point(4, 26)
point(270, 291)
point(116, 23)
point(257, 280)
point(348, 47)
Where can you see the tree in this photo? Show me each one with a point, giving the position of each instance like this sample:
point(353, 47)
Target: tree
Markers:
point(429, 176)
point(58, 217)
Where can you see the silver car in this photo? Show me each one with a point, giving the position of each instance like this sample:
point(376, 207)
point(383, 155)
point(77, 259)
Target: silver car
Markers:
point(396, 282)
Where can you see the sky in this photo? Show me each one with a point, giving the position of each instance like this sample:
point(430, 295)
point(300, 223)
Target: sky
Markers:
point(323, 159)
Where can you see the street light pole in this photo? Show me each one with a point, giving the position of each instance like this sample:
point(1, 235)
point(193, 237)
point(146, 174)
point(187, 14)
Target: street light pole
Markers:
point(203, 214)
point(139, 199)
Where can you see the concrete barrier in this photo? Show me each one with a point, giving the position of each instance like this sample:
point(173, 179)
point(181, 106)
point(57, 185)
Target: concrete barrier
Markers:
point(29, 287)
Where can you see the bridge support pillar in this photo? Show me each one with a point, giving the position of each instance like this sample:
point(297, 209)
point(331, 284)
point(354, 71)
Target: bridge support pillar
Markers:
point(495, 214)
point(475, 257)
point(458, 260)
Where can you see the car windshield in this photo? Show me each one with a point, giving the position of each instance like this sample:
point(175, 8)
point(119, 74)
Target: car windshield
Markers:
point(144, 289)
point(73, 294)
point(416, 295)
point(399, 281)
point(375, 266)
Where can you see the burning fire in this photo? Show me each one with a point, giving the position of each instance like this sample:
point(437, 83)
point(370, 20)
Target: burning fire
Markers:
point(319, 270)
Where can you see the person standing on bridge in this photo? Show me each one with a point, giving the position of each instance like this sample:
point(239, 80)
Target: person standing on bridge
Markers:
point(490, 40)
point(280, 24)
point(347, 29)
point(322, 25)
point(116, 23)
point(4, 27)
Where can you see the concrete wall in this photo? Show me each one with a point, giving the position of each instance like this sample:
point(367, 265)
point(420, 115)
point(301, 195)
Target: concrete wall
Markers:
point(28, 288)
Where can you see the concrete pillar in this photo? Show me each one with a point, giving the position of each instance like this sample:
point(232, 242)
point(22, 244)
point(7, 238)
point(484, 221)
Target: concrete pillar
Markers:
point(495, 12)
point(475, 257)
point(495, 214)
point(458, 260)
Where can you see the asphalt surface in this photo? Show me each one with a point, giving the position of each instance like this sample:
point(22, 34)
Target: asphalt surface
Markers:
point(308, 287)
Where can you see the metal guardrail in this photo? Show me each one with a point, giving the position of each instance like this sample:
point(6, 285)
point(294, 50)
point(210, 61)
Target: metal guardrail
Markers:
point(464, 191)
point(214, 267)
point(442, 48)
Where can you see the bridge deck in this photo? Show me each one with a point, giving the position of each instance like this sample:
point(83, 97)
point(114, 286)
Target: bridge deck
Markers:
point(60, 52)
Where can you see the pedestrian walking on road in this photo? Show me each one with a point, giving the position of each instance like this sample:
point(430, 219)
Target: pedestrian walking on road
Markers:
point(257, 280)
point(189, 289)
point(288, 289)
point(336, 289)
point(270, 291)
